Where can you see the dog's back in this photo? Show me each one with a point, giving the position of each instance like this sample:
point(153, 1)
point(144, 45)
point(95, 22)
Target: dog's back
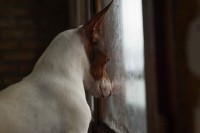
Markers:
point(52, 98)
point(47, 101)
point(27, 109)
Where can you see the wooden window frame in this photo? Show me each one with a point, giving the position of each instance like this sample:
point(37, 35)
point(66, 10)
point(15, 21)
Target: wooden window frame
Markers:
point(159, 68)
point(97, 125)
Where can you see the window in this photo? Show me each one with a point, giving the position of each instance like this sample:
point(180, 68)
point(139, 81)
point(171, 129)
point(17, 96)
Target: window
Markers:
point(125, 110)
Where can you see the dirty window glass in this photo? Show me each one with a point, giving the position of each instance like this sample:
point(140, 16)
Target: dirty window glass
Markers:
point(125, 110)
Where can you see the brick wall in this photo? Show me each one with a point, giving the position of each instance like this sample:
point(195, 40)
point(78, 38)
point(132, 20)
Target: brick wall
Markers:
point(26, 28)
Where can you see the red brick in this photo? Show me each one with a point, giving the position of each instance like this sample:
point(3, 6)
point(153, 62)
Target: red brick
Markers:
point(8, 45)
point(31, 45)
point(21, 24)
point(7, 23)
point(25, 68)
point(18, 56)
point(10, 11)
point(11, 79)
point(14, 3)
point(17, 34)
point(8, 68)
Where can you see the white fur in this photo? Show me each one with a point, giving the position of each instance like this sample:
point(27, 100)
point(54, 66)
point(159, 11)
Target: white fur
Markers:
point(52, 98)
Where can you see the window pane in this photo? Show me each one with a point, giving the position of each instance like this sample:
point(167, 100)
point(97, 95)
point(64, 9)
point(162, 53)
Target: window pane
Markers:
point(125, 110)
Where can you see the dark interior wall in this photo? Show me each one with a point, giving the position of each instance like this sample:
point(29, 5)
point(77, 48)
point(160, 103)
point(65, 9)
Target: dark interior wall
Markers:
point(171, 29)
point(26, 28)
point(187, 23)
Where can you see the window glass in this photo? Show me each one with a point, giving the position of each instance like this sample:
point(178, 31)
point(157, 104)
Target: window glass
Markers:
point(125, 110)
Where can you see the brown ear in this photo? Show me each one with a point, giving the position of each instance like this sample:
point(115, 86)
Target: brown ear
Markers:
point(96, 22)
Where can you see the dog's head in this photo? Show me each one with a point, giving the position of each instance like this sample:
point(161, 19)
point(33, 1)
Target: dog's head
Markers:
point(96, 79)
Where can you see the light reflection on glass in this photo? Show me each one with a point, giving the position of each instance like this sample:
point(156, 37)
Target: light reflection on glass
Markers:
point(125, 110)
point(133, 52)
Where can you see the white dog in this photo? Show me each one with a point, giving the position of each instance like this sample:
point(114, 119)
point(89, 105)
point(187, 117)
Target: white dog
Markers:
point(52, 98)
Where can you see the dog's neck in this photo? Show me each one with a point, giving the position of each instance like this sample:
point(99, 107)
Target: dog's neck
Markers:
point(76, 58)
point(64, 59)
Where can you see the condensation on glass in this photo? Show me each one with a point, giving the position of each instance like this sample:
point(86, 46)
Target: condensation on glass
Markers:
point(125, 110)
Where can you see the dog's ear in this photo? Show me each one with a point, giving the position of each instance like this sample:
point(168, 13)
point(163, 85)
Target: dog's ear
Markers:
point(92, 29)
